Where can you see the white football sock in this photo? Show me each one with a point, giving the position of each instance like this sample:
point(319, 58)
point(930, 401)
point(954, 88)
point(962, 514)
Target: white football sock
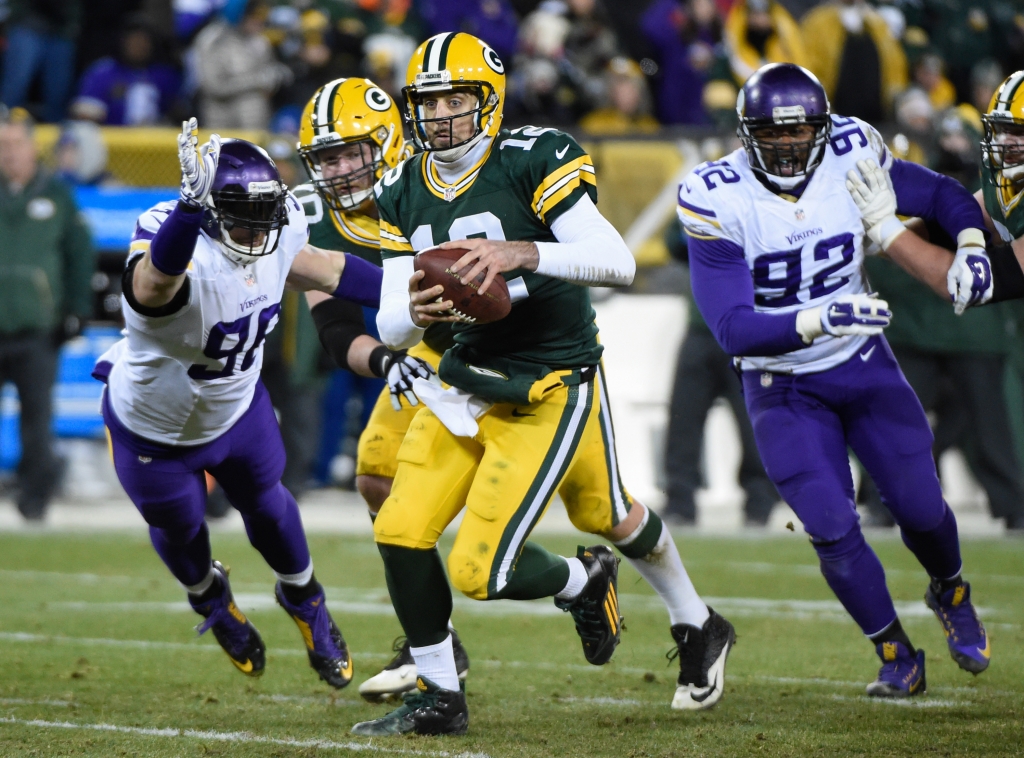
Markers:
point(577, 579)
point(437, 663)
point(298, 580)
point(663, 570)
point(203, 586)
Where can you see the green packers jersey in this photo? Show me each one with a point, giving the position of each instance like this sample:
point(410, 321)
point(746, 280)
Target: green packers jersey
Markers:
point(353, 233)
point(528, 178)
point(1008, 217)
point(358, 234)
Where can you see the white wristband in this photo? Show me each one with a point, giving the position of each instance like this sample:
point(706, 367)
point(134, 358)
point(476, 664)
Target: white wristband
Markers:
point(971, 238)
point(808, 324)
point(887, 231)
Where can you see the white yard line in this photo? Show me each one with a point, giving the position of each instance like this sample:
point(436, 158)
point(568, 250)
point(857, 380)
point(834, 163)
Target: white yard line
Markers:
point(26, 701)
point(242, 738)
point(909, 702)
point(202, 647)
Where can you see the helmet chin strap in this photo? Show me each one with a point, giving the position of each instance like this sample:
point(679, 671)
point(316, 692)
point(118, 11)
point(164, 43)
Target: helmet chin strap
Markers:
point(454, 153)
point(1014, 173)
point(355, 199)
point(233, 254)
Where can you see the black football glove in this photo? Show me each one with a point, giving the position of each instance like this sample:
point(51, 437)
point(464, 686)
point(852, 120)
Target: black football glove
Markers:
point(400, 370)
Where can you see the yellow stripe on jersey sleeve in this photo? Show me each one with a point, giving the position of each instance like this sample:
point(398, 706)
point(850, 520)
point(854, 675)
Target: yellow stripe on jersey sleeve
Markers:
point(139, 246)
point(565, 176)
point(697, 235)
point(699, 217)
point(391, 238)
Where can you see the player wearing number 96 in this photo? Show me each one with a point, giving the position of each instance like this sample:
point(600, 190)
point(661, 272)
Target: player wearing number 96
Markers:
point(776, 247)
point(202, 289)
point(526, 415)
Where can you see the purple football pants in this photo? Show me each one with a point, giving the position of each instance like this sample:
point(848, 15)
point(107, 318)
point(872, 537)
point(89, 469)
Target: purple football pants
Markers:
point(803, 425)
point(168, 486)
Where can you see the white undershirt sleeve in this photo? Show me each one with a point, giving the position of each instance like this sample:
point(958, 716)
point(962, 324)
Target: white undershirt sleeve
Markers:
point(394, 322)
point(589, 250)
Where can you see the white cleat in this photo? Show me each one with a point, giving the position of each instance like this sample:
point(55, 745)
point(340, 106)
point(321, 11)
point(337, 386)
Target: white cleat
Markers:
point(399, 676)
point(702, 655)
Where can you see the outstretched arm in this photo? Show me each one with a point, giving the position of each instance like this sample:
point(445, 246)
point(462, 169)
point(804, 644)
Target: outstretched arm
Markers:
point(340, 275)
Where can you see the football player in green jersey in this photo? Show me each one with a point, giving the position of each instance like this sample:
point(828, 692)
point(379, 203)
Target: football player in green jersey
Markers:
point(1002, 185)
point(349, 134)
point(527, 414)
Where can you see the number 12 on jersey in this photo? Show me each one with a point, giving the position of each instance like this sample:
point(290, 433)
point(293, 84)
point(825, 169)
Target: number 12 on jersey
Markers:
point(239, 328)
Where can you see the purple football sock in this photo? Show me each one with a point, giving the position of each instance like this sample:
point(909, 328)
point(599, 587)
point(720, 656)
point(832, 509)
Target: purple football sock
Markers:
point(855, 574)
point(938, 549)
point(275, 529)
point(188, 558)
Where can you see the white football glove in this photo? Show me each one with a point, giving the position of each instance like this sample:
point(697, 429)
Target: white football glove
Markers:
point(876, 200)
point(969, 280)
point(400, 370)
point(863, 314)
point(198, 166)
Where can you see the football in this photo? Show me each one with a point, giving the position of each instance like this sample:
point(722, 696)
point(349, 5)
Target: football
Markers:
point(467, 303)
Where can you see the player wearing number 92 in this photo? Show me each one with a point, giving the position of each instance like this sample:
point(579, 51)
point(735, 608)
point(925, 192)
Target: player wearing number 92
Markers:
point(202, 289)
point(776, 246)
point(527, 413)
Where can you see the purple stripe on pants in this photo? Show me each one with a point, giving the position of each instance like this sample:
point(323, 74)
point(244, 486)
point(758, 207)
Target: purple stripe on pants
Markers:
point(168, 486)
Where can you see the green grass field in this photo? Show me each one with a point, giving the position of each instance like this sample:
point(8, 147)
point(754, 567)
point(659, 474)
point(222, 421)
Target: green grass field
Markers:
point(98, 657)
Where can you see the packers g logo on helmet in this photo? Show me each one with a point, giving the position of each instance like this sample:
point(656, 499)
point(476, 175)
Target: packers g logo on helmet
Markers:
point(351, 112)
point(1002, 147)
point(455, 61)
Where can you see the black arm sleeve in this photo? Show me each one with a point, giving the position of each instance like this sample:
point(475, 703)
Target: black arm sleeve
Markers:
point(338, 322)
point(179, 301)
point(1007, 277)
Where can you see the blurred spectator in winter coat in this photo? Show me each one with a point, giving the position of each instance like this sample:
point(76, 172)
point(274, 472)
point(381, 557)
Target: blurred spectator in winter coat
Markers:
point(81, 155)
point(929, 74)
point(41, 38)
point(685, 38)
point(850, 48)
point(628, 109)
point(759, 32)
point(493, 21)
point(131, 89)
point(237, 71)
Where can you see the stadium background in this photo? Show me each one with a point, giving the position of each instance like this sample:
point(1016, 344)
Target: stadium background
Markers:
point(685, 88)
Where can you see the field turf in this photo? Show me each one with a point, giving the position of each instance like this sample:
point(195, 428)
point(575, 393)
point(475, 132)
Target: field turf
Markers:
point(98, 658)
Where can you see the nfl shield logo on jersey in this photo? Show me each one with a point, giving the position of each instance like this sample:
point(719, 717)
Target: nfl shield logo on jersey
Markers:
point(250, 279)
point(799, 213)
point(449, 194)
point(766, 379)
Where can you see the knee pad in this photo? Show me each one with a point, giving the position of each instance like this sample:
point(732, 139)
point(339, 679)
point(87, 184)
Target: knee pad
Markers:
point(468, 574)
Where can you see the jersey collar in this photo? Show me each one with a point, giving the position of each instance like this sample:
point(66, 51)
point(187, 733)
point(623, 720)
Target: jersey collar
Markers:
point(357, 227)
point(449, 180)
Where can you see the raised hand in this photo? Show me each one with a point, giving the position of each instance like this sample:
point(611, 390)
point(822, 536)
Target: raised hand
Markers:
point(198, 164)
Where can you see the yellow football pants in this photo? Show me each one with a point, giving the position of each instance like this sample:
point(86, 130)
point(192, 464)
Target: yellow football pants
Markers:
point(378, 444)
point(506, 477)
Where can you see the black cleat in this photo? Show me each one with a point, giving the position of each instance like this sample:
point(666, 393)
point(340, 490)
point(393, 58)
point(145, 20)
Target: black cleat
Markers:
point(399, 676)
point(235, 633)
point(702, 654)
point(426, 710)
point(596, 609)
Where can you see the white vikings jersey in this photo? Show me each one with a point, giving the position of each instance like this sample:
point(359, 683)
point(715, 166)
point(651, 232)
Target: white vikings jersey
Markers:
point(801, 253)
point(184, 379)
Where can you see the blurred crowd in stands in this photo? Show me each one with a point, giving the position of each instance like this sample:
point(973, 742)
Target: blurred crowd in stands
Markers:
point(604, 67)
